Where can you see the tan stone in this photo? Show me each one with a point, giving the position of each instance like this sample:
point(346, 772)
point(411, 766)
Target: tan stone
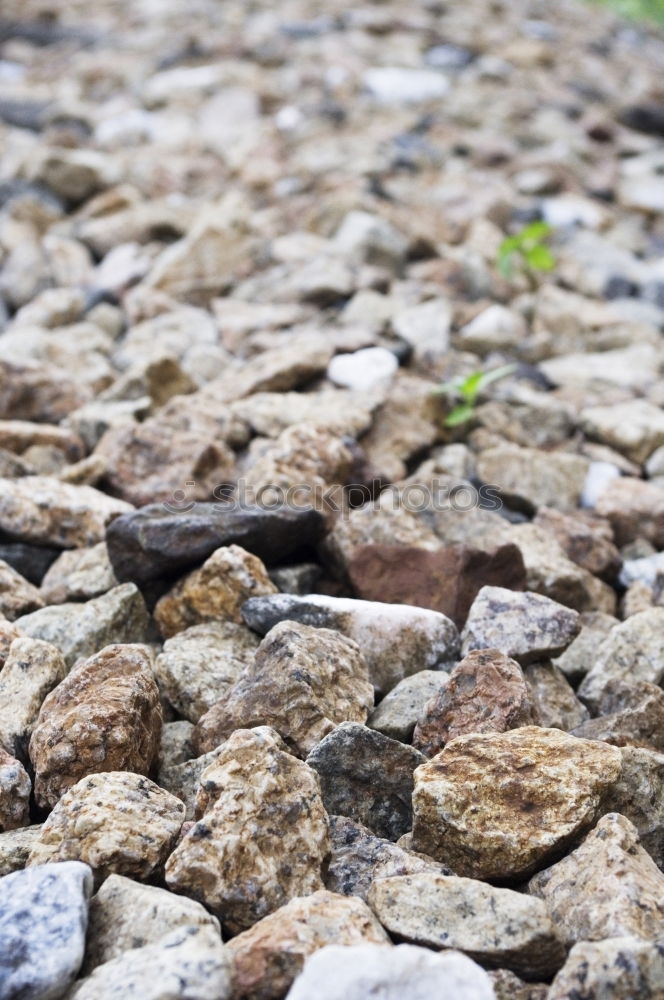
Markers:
point(32, 669)
point(17, 596)
point(533, 477)
point(15, 788)
point(556, 705)
point(104, 716)
point(78, 575)
point(15, 847)
point(635, 509)
point(632, 650)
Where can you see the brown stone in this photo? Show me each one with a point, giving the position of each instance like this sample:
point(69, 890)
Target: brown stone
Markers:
point(486, 693)
point(104, 716)
point(585, 538)
point(17, 596)
point(447, 580)
point(556, 705)
point(31, 391)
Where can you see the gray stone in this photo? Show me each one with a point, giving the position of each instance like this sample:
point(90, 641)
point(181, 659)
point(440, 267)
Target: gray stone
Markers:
point(577, 659)
point(620, 968)
point(638, 794)
point(632, 650)
point(31, 670)
point(15, 847)
point(634, 428)
point(399, 710)
point(78, 575)
point(556, 705)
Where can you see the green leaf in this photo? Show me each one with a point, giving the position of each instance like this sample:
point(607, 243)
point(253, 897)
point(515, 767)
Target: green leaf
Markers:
point(459, 415)
point(471, 386)
point(534, 233)
point(540, 258)
point(488, 377)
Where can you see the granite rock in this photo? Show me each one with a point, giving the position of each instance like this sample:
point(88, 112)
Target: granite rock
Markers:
point(399, 711)
point(31, 670)
point(78, 575)
point(632, 650)
point(620, 968)
point(15, 789)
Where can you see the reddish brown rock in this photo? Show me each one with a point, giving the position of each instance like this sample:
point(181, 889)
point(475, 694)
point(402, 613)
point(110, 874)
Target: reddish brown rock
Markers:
point(486, 693)
point(104, 716)
point(15, 791)
point(448, 580)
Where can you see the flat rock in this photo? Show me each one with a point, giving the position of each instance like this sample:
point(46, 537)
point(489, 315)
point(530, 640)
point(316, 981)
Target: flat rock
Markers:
point(15, 789)
point(271, 954)
point(78, 575)
point(254, 785)
point(486, 693)
point(556, 705)
point(303, 681)
point(396, 640)
point(527, 627)
point(367, 777)
point(200, 665)
point(632, 650)
point(77, 630)
point(270, 413)
point(104, 716)
point(496, 927)
point(620, 968)
point(354, 973)
point(43, 918)
point(125, 915)
point(154, 542)
point(399, 711)
point(498, 805)
point(216, 591)
point(31, 670)
point(117, 822)
point(447, 580)
point(608, 887)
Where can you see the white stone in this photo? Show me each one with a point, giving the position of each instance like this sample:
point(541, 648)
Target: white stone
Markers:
point(395, 85)
point(363, 369)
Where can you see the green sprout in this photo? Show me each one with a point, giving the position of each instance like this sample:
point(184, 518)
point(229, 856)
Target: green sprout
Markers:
point(469, 389)
point(528, 247)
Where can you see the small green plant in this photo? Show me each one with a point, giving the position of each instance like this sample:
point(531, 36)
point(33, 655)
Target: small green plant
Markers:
point(468, 389)
point(528, 249)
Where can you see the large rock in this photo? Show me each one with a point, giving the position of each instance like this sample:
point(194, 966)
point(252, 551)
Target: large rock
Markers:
point(527, 627)
point(104, 716)
point(360, 971)
point(367, 777)
point(395, 640)
point(608, 887)
point(43, 917)
point(585, 538)
point(117, 822)
point(15, 789)
point(498, 805)
point(486, 693)
point(633, 650)
point(153, 542)
point(497, 927)
point(302, 681)
point(125, 915)
point(399, 711)
point(47, 511)
point(32, 669)
point(447, 580)
point(254, 785)
point(620, 968)
point(532, 478)
point(199, 666)
point(271, 954)
point(77, 630)
point(214, 592)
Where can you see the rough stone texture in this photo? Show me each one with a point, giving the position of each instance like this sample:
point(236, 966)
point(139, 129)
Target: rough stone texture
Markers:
point(337, 973)
point(396, 640)
point(378, 523)
point(556, 705)
point(635, 509)
point(104, 716)
point(46, 511)
point(579, 656)
point(199, 666)
point(15, 788)
point(359, 856)
point(183, 779)
point(507, 986)
point(486, 693)
point(271, 954)
point(533, 478)
point(32, 391)
point(497, 927)
point(498, 805)
point(263, 833)
point(608, 887)
point(188, 962)
point(620, 968)
point(17, 596)
point(215, 591)
point(32, 669)
point(632, 714)
point(125, 915)
point(634, 428)
point(175, 746)
point(585, 538)
point(447, 580)
point(154, 541)
point(527, 627)
point(43, 917)
point(632, 650)
point(77, 630)
point(15, 847)
point(117, 822)
point(638, 794)
point(78, 575)
point(367, 777)
point(303, 681)
point(270, 413)
point(398, 712)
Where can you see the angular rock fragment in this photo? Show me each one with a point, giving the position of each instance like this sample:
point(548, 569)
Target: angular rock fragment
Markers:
point(556, 705)
point(117, 822)
point(104, 716)
point(621, 968)
point(395, 640)
point(303, 681)
point(498, 805)
point(199, 666)
point(215, 591)
point(638, 794)
point(271, 954)
point(399, 711)
point(634, 428)
point(78, 575)
point(635, 509)
point(367, 777)
point(585, 538)
point(578, 658)
point(254, 785)
point(527, 626)
point(631, 714)
point(31, 670)
point(608, 887)
point(496, 927)
point(43, 917)
point(534, 478)
point(17, 596)
point(183, 779)
point(15, 847)
point(42, 392)
point(633, 650)
point(15, 788)
point(486, 693)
